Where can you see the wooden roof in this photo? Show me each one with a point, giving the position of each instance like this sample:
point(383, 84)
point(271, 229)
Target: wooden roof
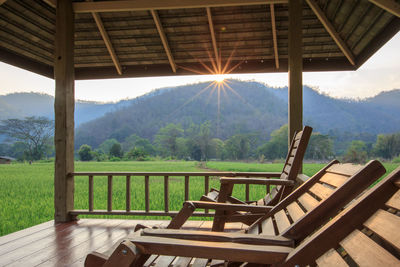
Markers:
point(155, 38)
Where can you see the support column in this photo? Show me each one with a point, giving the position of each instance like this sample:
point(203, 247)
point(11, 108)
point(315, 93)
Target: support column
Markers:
point(64, 111)
point(295, 97)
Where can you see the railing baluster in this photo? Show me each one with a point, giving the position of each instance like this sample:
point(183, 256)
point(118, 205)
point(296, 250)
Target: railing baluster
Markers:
point(109, 194)
point(128, 193)
point(206, 184)
point(146, 193)
point(90, 192)
point(206, 187)
point(186, 188)
point(166, 195)
point(247, 191)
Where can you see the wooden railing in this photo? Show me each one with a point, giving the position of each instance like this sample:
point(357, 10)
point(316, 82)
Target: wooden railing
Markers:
point(147, 211)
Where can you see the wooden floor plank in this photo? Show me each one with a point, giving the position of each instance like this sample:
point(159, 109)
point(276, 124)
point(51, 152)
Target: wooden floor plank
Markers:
point(43, 249)
point(28, 231)
point(35, 237)
point(69, 243)
point(96, 238)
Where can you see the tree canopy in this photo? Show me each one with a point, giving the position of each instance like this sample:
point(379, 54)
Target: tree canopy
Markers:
point(34, 132)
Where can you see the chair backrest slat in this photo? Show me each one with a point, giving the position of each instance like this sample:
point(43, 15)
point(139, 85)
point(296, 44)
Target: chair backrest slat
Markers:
point(292, 166)
point(365, 233)
point(314, 202)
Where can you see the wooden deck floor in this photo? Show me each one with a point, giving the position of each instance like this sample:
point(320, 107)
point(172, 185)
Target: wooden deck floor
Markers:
point(67, 244)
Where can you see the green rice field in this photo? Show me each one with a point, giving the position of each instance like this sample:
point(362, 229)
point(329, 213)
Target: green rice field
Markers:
point(26, 191)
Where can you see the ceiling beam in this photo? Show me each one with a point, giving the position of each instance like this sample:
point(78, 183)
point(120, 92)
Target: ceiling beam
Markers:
point(137, 5)
point(388, 5)
point(107, 41)
point(51, 3)
point(214, 41)
point(331, 30)
point(2, 2)
point(163, 39)
point(274, 37)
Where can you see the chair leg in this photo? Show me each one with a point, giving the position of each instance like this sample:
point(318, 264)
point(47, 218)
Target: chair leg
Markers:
point(219, 217)
point(182, 216)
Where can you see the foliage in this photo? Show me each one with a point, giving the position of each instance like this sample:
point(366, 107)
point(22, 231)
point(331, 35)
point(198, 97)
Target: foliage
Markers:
point(319, 147)
point(356, 153)
point(35, 132)
point(85, 153)
point(166, 139)
point(105, 147)
point(277, 146)
point(98, 155)
point(387, 146)
point(116, 151)
point(237, 147)
point(134, 141)
point(136, 154)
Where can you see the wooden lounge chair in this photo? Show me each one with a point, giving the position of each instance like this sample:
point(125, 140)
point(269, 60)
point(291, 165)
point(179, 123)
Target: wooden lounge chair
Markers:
point(284, 185)
point(284, 226)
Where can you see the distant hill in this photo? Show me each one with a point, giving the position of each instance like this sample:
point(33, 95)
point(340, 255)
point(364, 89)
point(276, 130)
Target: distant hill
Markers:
point(20, 105)
point(251, 107)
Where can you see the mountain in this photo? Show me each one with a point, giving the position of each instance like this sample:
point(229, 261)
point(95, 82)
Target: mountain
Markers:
point(20, 105)
point(246, 107)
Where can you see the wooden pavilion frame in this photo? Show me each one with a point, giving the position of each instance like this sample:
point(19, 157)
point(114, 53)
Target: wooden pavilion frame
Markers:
point(378, 22)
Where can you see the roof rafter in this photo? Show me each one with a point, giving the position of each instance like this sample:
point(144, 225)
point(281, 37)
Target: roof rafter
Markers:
point(2, 2)
point(331, 30)
point(51, 3)
point(107, 42)
point(274, 37)
point(214, 41)
point(163, 39)
point(136, 5)
point(388, 5)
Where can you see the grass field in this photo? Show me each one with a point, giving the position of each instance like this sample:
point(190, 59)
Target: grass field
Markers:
point(26, 191)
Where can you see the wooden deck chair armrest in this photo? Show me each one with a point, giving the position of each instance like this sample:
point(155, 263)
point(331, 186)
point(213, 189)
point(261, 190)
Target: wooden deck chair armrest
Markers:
point(211, 250)
point(302, 178)
point(261, 181)
point(230, 207)
point(260, 174)
point(251, 239)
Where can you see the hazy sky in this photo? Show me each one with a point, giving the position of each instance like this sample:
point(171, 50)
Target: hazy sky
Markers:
point(380, 73)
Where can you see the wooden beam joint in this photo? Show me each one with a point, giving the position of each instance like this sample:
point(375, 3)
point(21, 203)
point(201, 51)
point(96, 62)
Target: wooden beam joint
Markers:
point(390, 6)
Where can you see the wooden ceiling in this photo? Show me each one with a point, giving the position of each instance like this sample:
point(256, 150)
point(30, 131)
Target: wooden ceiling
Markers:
point(138, 38)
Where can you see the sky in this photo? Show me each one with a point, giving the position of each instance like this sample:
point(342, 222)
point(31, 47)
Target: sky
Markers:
point(380, 73)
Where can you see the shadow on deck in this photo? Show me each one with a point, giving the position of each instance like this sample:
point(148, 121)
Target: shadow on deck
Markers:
point(67, 244)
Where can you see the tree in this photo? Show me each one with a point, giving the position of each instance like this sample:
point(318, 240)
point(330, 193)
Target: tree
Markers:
point(237, 146)
point(105, 147)
point(356, 153)
point(277, 146)
point(387, 146)
point(35, 132)
point(85, 153)
point(116, 150)
point(319, 147)
point(166, 139)
point(134, 141)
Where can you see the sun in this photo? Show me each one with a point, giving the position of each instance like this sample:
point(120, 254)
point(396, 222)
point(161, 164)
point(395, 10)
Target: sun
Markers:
point(219, 78)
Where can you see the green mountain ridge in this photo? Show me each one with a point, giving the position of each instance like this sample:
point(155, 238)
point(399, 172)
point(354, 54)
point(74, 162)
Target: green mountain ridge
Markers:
point(251, 107)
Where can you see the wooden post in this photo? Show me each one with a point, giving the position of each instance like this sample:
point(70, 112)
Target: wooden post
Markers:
point(64, 111)
point(295, 109)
